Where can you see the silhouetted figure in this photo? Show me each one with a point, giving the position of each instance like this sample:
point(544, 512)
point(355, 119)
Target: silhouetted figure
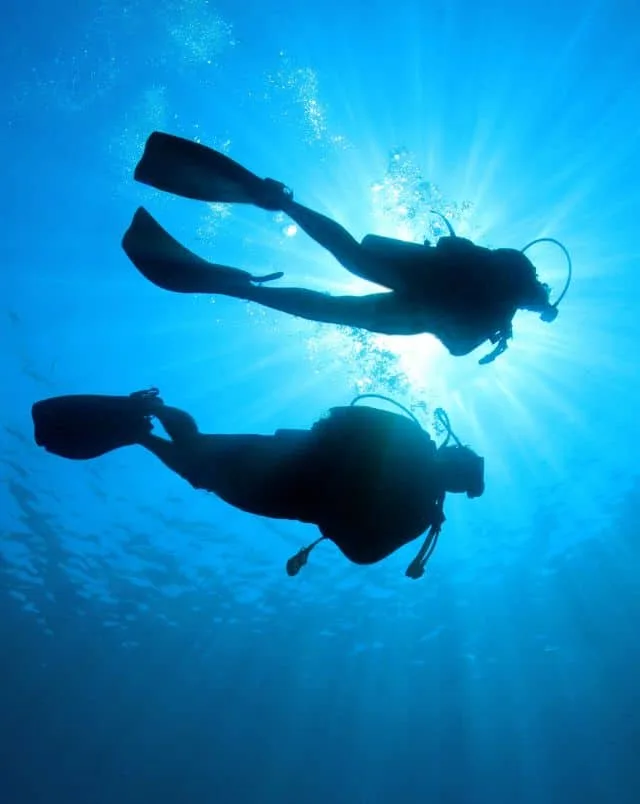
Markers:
point(462, 293)
point(369, 479)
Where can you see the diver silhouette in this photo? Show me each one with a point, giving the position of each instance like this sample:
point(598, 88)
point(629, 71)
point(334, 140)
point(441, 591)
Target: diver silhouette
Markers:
point(370, 480)
point(461, 293)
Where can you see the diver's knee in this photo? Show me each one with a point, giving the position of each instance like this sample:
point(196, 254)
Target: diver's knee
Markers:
point(178, 424)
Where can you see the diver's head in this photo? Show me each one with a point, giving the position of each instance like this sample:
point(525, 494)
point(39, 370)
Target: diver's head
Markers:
point(548, 312)
point(462, 470)
point(537, 300)
point(528, 292)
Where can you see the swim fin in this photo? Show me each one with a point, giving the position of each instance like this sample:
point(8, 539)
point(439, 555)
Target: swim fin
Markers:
point(81, 427)
point(192, 170)
point(169, 265)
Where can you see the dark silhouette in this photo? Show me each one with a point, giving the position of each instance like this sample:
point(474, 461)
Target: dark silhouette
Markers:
point(462, 293)
point(369, 479)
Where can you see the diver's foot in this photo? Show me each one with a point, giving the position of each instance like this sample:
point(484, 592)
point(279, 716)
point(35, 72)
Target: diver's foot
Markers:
point(274, 196)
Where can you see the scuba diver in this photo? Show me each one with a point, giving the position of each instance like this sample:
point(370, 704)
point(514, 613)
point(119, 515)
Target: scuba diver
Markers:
point(369, 479)
point(461, 293)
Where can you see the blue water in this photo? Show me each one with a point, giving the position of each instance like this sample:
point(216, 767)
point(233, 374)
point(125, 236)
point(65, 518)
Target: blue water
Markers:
point(152, 647)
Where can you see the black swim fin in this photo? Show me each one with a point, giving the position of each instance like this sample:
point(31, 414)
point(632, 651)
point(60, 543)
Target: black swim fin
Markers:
point(192, 170)
point(81, 427)
point(169, 265)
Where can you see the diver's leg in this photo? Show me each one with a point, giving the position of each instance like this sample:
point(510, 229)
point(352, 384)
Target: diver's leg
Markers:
point(251, 472)
point(179, 424)
point(375, 312)
point(385, 313)
point(342, 245)
point(327, 233)
point(180, 454)
point(395, 274)
point(174, 455)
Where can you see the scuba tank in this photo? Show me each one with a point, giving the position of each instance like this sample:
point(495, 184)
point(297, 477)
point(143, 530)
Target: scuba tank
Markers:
point(392, 248)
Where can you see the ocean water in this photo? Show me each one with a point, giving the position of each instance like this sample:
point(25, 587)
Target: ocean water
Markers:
point(152, 647)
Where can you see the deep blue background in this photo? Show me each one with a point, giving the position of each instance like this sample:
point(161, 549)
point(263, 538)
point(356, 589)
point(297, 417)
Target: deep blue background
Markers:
point(151, 646)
